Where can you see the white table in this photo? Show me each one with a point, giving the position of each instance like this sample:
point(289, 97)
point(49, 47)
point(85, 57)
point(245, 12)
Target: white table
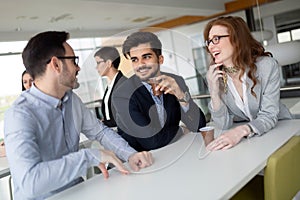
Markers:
point(218, 176)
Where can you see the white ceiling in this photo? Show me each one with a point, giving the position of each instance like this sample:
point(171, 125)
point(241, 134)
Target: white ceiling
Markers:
point(20, 19)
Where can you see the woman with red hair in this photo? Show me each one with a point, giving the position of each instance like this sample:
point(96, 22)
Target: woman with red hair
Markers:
point(244, 83)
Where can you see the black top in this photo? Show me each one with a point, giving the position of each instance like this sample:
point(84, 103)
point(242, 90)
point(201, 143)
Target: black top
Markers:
point(111, 122)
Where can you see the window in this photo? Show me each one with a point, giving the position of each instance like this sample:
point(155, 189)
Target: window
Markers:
point(284, 37)
point(296, 34)
point(288, 26)
point(11, 68)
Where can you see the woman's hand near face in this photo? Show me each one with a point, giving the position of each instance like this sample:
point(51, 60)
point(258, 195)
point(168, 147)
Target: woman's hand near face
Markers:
point(213, 74)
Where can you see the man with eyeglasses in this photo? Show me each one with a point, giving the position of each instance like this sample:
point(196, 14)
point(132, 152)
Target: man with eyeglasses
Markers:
point(43, 125)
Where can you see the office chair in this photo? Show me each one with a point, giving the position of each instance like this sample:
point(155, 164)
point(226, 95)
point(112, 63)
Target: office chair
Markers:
point(282, 175)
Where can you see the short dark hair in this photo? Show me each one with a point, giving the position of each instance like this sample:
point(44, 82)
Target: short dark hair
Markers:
point(109, 53)
point(138, 38)
point(40, 49)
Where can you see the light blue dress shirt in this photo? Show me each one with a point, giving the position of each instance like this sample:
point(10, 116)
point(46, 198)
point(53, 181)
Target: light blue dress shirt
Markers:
point(159, 103)
point(42, 143)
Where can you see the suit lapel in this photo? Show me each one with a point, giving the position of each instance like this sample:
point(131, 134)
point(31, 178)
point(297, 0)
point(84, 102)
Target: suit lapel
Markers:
point(102, 104)
point(252, 100)
point(230, 102)
point(145, 99)
point(119, 75)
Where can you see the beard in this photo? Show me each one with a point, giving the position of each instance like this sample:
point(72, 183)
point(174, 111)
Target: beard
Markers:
point(76, 85)
point(151, 75)
point(68, 80)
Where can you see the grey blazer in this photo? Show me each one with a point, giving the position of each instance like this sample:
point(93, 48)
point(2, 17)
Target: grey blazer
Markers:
point(265, 108)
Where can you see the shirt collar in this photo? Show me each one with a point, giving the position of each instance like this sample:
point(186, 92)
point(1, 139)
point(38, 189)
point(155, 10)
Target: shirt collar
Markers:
point(52, 101)
point(148, 86)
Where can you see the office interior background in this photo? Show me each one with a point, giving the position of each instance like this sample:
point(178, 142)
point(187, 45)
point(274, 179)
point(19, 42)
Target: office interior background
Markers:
point(179, 24)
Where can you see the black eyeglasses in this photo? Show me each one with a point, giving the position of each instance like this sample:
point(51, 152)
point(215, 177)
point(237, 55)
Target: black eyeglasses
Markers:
point(74, 58)
point(215, 39)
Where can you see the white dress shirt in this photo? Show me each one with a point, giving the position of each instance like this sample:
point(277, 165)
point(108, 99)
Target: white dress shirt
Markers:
point(106, 98)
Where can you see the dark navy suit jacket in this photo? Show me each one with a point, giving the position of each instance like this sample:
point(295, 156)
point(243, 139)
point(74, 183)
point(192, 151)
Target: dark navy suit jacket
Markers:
point(137, 116)
point(111, 122)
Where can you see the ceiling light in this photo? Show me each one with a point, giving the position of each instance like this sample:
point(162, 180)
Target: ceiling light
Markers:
point(262, 35)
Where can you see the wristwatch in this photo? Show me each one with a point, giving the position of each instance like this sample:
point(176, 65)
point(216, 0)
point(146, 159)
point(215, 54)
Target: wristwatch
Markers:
point(186, 97)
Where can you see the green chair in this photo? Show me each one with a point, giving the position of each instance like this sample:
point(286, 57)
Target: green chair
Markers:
point(281, 180)
point(282, 174)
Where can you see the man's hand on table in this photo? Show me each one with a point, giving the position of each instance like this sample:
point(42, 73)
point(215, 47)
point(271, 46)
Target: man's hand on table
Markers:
point(136, 161)
point(140, 160)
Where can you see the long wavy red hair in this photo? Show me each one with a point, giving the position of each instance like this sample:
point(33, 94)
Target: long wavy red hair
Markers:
point(246, 48)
